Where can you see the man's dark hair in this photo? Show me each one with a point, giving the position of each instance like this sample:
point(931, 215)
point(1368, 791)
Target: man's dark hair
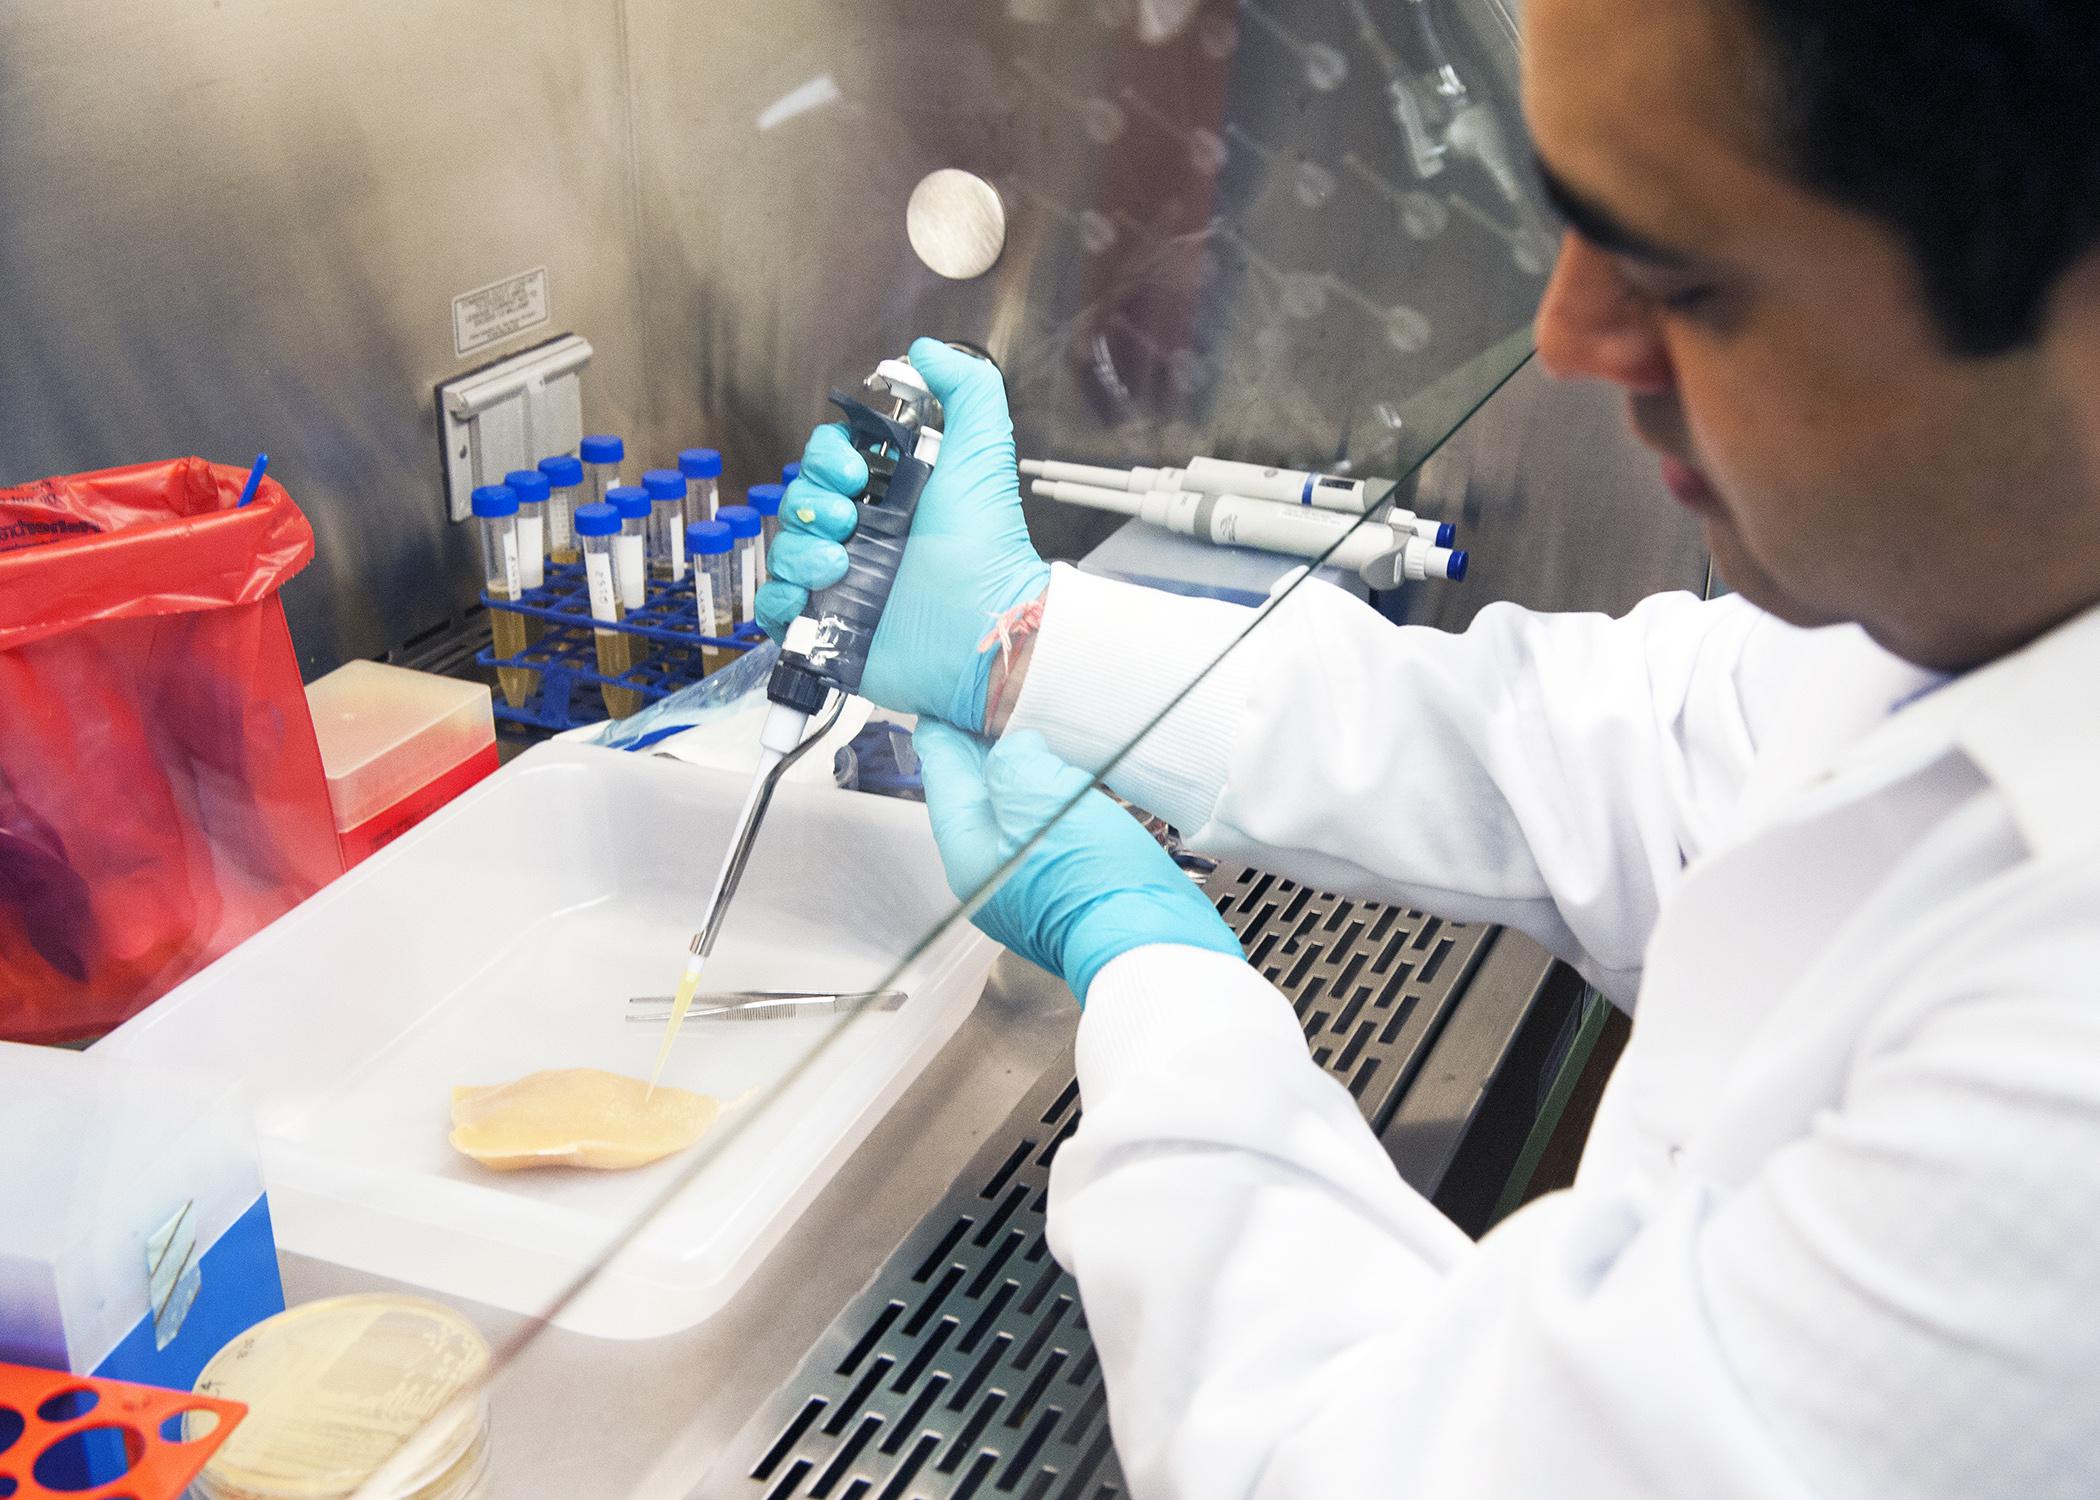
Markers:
point(1970, 127)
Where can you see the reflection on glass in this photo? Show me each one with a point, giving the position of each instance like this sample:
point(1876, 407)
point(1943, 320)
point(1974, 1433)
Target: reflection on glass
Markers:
point(1096, 231)
point(1421, 215)
point(1530, 248)
point(1326, 68)
point(1239, 229)
point(1206, 151)
point(1311, 183)
point(818, 1066)
point(1102, 119)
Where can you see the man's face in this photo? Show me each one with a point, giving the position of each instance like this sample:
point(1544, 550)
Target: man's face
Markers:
point(1775, 347)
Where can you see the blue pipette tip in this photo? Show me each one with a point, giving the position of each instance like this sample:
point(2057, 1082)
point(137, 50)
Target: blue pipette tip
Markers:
point(1446, 534)
point(262, 462)
point(1456, 569)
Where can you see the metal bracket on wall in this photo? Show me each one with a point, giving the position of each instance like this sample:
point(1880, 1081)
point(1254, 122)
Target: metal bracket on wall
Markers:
point(510, 415)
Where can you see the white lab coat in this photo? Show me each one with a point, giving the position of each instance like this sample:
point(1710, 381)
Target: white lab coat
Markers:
point(1837, 1229)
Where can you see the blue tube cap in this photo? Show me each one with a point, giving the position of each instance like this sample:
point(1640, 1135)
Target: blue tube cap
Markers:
point(630, 501)
point(495, 500)
point(529, 485)
point(1456, 569)
point(563, 471)
point(765, 498)
point(700, 463)
point(704, 538)
point(603, 448)
point(789, 473)
point(741, 520)
point(597, 520)
point(664, 484)
point(1446, 534)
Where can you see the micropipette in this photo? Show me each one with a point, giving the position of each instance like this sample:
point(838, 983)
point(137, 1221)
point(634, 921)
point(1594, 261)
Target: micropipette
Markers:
point(826, 648)
point(1342, 541)
point(1222, 477)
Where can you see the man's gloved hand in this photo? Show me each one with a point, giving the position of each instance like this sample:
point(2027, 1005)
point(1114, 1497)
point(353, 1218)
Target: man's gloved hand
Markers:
point(1094, 887)
point(968, 563)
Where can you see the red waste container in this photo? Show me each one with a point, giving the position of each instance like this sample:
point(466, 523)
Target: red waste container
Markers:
point(161, 792)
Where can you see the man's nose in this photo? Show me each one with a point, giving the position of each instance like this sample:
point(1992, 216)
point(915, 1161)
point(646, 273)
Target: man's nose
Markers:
point(1592, 325)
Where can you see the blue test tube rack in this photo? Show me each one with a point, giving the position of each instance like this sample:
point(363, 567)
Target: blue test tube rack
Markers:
point(566, 654)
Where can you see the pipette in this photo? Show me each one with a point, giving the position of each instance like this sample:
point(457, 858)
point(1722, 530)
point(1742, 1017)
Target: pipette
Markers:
point(826, 648)
point(1221, 477)
point(1344, 541)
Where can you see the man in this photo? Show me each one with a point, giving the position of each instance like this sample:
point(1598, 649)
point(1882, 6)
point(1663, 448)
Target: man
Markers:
point(1835, 841)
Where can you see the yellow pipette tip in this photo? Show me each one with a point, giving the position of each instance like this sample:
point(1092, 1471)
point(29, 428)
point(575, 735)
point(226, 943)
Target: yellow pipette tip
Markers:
point(688, 986)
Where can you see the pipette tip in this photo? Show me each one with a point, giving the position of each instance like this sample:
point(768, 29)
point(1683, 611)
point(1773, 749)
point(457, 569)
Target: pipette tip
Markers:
point(688, 985)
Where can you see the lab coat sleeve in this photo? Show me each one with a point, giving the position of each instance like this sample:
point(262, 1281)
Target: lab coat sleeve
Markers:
point(1549, 772)
point(1891, 1305)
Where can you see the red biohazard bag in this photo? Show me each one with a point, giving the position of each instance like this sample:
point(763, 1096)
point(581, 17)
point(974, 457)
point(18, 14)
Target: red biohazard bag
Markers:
point(161, 792)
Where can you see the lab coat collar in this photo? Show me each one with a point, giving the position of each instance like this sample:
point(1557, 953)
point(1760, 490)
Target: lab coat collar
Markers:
point(2030, 721)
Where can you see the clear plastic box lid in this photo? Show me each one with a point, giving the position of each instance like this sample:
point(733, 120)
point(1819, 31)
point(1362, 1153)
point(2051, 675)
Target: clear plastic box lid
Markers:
point(386, 731)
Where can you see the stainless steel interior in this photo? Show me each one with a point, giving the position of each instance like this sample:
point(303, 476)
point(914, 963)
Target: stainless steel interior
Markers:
point(238, 226)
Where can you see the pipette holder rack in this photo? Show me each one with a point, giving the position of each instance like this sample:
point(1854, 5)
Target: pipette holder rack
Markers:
point(666, 630)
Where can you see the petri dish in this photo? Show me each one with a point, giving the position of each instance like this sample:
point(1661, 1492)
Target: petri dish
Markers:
point(334, 1390)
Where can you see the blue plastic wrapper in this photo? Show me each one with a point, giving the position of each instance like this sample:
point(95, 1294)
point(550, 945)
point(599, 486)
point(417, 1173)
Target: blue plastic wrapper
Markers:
point(721, 693)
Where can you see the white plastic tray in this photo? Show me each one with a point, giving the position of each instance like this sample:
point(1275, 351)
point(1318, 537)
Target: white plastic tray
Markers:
point(504, 935)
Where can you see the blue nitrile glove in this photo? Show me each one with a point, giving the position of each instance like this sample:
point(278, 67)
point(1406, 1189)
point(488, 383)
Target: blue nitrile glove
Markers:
point(969, 560)
point(1094, 887)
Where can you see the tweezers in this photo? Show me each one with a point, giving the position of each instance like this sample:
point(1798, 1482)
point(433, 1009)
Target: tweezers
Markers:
point(765, 1005)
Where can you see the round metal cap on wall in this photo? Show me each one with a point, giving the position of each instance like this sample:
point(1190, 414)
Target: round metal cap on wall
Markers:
point(956, 222)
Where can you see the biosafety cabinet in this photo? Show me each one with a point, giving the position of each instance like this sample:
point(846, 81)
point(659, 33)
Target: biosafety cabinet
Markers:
point(370, 237)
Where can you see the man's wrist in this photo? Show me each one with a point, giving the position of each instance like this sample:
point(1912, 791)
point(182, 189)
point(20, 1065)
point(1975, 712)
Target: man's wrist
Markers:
point(1013, 637)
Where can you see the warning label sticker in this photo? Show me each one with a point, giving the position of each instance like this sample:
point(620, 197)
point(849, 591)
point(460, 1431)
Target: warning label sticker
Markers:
point(490, 314)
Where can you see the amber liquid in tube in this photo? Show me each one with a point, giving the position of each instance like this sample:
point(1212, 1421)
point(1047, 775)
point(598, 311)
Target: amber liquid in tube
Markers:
point(502, 576)
point(510, 636)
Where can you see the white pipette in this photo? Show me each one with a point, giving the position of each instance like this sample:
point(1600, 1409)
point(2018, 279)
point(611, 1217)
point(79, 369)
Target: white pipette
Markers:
point(1223, 477)
point(1235, 520)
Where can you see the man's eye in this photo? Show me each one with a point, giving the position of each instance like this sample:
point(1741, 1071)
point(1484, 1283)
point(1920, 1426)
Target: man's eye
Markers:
point(1688, 299)
point(1670, 290)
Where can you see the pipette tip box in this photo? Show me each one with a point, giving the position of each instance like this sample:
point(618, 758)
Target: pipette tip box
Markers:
point(396, 746)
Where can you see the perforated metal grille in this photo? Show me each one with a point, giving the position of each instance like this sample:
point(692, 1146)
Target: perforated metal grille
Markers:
point(966, 1368)
point(1370, 983)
